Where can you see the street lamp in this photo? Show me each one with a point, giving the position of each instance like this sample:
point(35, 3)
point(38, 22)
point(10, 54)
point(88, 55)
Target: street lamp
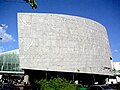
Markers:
point(3, 58)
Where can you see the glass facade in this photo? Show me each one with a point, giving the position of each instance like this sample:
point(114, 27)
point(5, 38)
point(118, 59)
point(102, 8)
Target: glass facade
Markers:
point(9, 61)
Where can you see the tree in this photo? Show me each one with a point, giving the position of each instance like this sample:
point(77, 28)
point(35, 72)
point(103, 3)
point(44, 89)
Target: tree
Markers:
point(33, 3)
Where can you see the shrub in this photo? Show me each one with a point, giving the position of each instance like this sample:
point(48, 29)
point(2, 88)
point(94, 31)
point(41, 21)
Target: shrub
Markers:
point(55, 84)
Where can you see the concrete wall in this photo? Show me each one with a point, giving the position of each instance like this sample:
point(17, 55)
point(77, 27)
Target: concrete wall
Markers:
point(63, 43)
point(116, 68)
point(116, 65)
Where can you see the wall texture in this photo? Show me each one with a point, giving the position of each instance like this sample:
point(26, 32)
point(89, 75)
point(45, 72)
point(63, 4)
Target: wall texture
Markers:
point(63, 43)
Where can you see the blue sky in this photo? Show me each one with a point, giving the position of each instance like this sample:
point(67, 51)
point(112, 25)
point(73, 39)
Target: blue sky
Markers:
point(106, 12)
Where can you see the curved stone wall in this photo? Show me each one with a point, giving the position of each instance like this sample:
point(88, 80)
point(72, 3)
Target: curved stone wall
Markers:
point(63, 43)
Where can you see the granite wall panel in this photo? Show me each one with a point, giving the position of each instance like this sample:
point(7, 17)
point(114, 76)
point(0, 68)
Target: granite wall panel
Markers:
point(63, 43)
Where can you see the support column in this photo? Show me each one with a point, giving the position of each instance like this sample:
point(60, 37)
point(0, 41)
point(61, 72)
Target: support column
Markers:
point(73, 77)
point(46, 74)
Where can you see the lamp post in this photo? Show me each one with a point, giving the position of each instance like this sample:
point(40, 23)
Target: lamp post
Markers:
point(3, 58)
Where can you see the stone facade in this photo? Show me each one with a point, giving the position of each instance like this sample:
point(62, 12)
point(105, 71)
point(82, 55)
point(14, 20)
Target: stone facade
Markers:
point(56, 42)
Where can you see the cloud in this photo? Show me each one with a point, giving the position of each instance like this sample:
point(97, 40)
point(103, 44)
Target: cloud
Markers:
point(1, 49)
point(4, 36)
point(115, 51)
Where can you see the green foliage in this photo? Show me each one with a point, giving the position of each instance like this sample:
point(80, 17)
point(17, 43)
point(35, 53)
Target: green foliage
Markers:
point(55, 84)
point(33, 3)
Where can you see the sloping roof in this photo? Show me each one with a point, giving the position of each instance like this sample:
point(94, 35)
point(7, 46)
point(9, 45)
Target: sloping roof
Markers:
point(16, 51)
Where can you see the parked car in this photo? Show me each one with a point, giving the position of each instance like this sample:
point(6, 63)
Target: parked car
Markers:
point(81, 87)
point(100, 87)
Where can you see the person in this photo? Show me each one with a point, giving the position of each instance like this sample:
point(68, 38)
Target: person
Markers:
point(112, 84)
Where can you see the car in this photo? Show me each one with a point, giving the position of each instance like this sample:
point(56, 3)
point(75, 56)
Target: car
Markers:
point(81, 87)
point(100, 87)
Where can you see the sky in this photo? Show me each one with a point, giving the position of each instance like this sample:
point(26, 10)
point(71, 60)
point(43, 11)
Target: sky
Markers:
point(106, 12)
